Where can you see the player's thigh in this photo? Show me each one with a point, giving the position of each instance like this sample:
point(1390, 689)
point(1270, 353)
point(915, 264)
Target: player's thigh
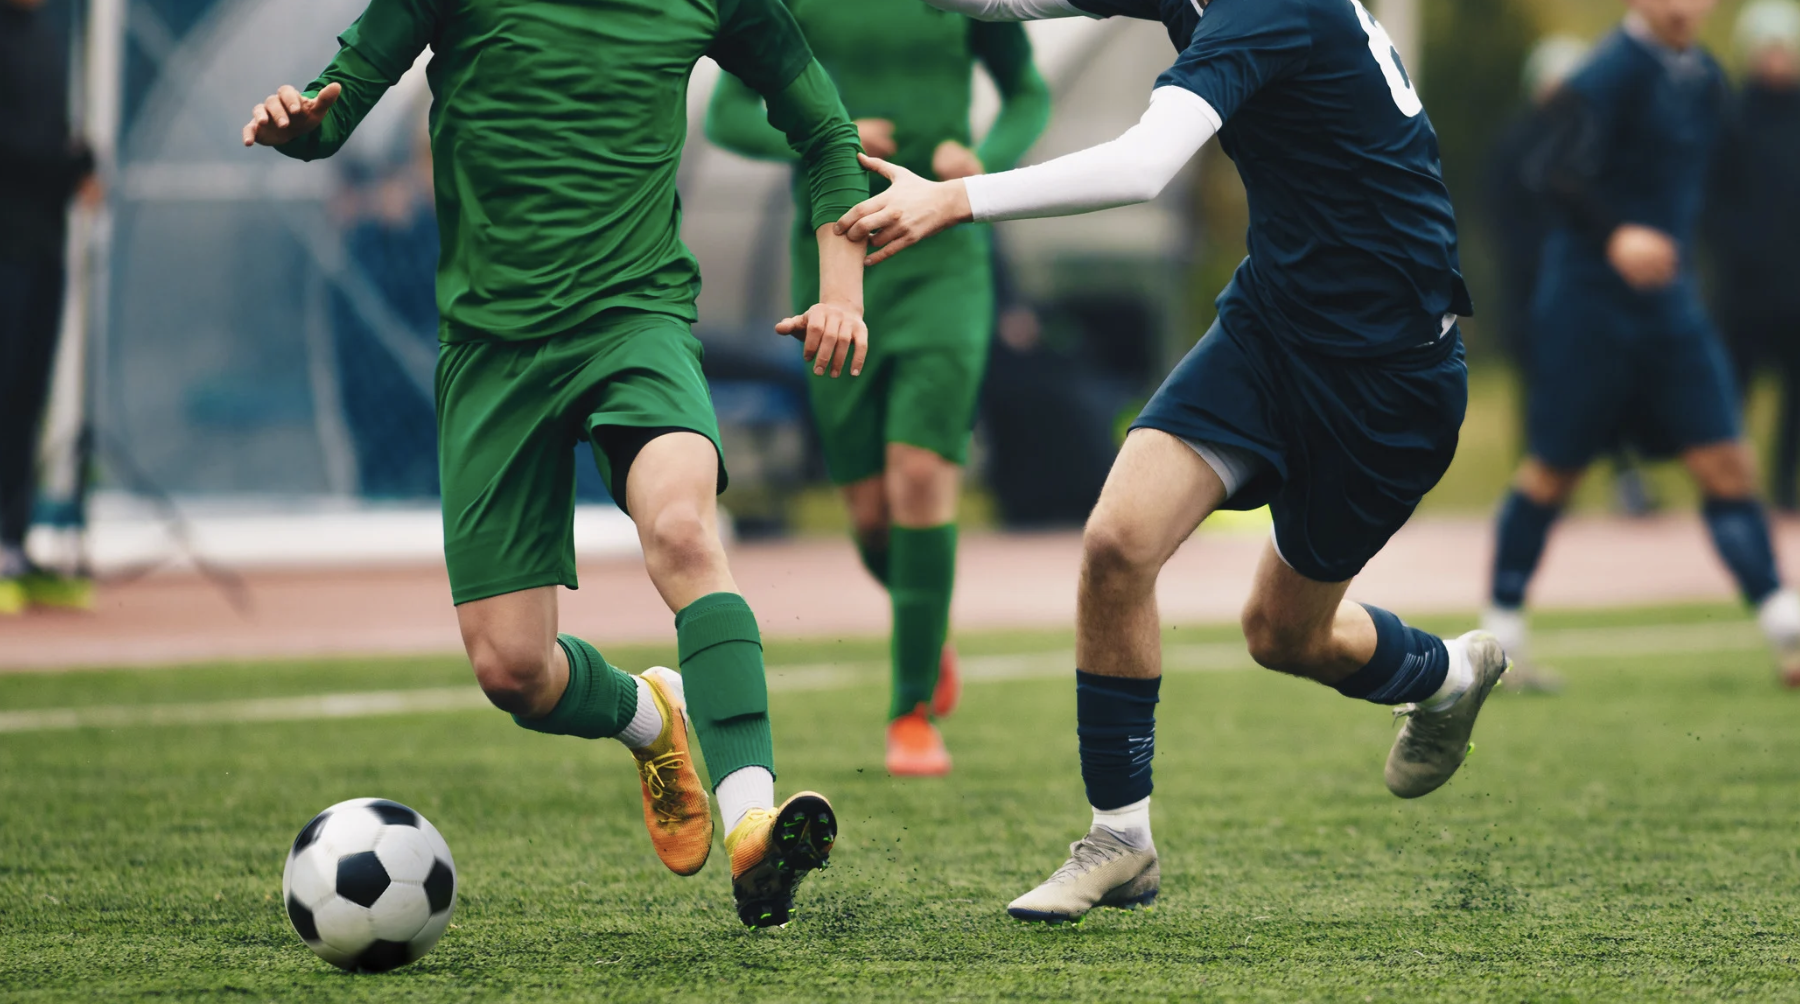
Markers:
point(1366, 440)
point(848, 413)
point(1582, 382)
point(506, 462)
point(646, 382)
point(1689, 392)
point(1154, 498)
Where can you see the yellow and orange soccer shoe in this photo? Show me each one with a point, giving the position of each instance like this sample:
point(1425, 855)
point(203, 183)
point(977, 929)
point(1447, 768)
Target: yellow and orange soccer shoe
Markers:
point(772, 850)
point(948, 692)
point(915, 748)
point(676, 811)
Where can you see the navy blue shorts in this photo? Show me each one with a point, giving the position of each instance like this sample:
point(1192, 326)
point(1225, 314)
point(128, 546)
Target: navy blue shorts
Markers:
point(1604, 375)
point(1351, 445)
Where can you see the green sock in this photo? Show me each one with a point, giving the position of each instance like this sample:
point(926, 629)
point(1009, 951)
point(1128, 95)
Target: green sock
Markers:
point(599, 701)
point(923, 570)
point(874, 558)
point(728, 697)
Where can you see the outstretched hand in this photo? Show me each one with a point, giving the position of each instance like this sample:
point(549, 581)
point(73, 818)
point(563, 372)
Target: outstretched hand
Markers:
point(287, 114)
point(833, 333)
point(911, 210)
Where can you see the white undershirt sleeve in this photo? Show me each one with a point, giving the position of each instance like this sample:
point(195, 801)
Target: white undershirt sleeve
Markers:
point(1011, 10)
point(1131, 169)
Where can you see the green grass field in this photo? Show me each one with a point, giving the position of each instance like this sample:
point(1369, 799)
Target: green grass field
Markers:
point(1633, 839)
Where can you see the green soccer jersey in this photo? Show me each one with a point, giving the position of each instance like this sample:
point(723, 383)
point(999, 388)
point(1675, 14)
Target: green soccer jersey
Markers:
point(908, 63)
point(557, 127)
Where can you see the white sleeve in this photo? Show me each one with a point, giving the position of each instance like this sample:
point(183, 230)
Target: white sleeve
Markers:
point(1011, 10)
point(1131, 169)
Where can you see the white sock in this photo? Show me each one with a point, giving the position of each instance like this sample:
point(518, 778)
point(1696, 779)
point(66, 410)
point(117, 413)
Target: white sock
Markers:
point(1779, 616)
point(1508, 627)
point(742, 790)
point(647, 723)
point(1130, 823)
point(1457, 679)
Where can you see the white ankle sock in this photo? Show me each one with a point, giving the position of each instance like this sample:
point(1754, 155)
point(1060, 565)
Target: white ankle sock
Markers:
point(647, 724)
point(1507, 625)
point(1779, 616)
point(1131, 823)
point(1457, 679)
point(742, 790)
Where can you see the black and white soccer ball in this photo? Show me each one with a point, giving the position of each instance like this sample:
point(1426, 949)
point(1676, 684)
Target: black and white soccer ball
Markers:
point(369, 885)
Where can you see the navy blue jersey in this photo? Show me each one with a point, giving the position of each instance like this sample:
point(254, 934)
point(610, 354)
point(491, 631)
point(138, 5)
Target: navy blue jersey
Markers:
point(1352, 238)
point(1632, 141)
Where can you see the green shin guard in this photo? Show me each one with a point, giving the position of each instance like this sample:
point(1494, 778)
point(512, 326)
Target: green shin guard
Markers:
point(728, 697)
point(923, 569)
point(599, 701)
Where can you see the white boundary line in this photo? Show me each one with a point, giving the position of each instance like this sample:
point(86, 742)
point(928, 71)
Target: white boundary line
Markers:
point(1620, 642)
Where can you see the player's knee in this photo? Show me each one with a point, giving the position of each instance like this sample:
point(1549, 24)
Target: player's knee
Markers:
point(1276, 644)
point(511, 674)
point(679, 539)
point(1112, 551)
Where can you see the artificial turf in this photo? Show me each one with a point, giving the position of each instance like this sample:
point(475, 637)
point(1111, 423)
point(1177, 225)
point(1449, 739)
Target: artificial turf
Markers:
point(1635, 838)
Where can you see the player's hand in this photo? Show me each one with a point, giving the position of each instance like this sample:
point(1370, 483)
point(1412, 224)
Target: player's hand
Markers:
point(877, 136)
point(834, 334)
point(951, 160)
point(907, 213)
point(1645, 257)
point(288, 114)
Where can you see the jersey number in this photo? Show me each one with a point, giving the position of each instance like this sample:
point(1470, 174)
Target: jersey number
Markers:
point(1388, 58)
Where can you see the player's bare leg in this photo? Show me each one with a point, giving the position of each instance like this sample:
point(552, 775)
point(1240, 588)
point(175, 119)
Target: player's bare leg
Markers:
point(1155, 496)
point(672, 496)
point(1539, 493)
point(1726, 474)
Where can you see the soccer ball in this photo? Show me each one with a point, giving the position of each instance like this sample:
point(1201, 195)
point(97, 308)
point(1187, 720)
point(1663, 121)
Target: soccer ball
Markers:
point(369, 885)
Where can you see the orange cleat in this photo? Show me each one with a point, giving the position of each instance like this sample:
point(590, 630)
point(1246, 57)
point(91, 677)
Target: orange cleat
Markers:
point(772, 850)
point(675, 808)
point(948, 692)
point(914, 747)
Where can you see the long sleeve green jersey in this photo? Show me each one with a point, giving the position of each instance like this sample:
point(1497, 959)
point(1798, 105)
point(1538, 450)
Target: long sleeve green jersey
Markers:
point(911, 64)
point(556, 131)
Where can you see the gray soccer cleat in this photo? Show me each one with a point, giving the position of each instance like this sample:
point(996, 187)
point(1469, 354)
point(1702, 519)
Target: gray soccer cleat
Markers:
point(1433, 744)
point(1102, 870)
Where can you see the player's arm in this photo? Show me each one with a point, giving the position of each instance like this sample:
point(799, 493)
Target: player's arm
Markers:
point(376, 51)
point(760, 44)
point(1564, 168)
point(737, 121)
point(1024, 96)
point(1134, 168)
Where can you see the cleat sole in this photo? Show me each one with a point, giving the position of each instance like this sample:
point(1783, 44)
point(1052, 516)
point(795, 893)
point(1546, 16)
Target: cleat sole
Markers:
point(800, 842)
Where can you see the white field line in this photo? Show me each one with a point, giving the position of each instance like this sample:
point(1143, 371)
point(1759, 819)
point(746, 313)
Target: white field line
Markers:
point(1195, 658)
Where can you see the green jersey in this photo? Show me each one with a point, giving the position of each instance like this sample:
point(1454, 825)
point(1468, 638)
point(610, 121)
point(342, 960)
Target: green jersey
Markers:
point(908, 63)
point(557, 128)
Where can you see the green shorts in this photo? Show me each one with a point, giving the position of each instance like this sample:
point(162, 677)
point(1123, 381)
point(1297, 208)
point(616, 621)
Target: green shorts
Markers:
point(931, 312)
point(509, 416)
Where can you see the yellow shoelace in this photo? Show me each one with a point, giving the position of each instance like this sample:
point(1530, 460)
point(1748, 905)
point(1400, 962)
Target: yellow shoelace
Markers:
point(661, 787)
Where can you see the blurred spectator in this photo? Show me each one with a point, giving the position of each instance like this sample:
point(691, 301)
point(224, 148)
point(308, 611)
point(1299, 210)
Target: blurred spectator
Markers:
point(391, 235)
point(42, 166)
point(1519, 218)
point(1756, 222)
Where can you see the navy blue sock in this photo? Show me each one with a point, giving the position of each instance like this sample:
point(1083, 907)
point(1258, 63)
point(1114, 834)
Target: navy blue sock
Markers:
point(1523, 527)
point(1115, 721)
point(1409, 664)
point(1741, 534)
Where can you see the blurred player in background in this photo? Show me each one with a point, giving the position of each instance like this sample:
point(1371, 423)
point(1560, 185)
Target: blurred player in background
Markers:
point(565, 297)
point(1332, 389)
point(897, 438)
point(1756, 223)
point(1624, 347)
point(42, 166)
